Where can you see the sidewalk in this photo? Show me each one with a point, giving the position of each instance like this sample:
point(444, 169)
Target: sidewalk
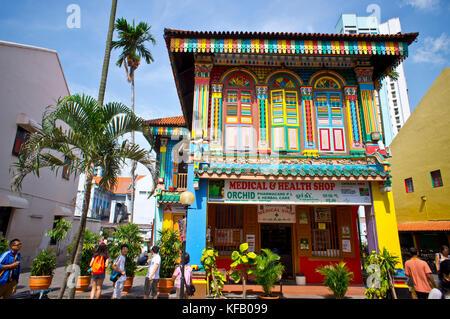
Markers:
point(230, 291)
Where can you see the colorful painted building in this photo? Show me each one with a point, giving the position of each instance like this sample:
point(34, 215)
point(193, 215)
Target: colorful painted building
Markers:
point(169, 139)
point(421, 171)
point(284, 144)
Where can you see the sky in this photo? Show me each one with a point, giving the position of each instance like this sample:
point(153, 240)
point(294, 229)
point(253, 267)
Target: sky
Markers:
point(49, 24)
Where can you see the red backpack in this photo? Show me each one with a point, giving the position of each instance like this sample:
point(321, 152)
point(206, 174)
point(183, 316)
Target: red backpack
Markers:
point(98, 266)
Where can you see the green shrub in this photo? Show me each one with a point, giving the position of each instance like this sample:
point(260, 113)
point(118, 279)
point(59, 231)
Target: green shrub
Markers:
point(268, 270)
point(380, 267)
point(208, 261)
point(4, 245)
point(243, 262)
point(44, 264)
point(337, 278)
point(127, 234)
point(90, 243)
point(170, 251)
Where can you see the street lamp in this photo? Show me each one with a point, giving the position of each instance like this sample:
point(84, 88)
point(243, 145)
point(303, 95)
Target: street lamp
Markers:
point(186, 198)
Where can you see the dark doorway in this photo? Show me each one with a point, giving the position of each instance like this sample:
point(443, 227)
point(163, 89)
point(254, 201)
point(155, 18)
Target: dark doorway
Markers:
point(278, 238)
point(5, 215)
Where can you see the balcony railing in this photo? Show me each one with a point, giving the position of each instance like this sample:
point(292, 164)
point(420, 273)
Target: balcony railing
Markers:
point(181, 180)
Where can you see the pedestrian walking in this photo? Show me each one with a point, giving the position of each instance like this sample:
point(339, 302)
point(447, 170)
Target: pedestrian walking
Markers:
point(98, 264)
point(443, 289)
point(10, 269)
point(420, 274)
point(187, 277)
point(152, 278)
point(441, 256)
point(119, 266)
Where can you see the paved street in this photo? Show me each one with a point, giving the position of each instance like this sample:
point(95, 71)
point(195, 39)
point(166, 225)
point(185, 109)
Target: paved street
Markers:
point(230, 291)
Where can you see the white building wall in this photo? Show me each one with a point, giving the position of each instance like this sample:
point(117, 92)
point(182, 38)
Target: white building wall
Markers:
point(397, 91)
point(398, 109)
point(30, 80)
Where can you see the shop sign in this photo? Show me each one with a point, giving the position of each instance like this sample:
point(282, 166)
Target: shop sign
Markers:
point(276, 214)
point(289, 192)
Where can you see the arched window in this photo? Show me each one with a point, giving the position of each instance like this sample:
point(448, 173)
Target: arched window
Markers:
point(330, 114)
point(239, 97)
point(284, 113)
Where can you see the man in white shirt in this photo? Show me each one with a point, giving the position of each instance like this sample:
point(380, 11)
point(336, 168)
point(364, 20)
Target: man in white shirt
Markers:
point(152, 278)
point(119, 266)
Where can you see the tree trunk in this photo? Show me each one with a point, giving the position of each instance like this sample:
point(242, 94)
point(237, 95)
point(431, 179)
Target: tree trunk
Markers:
point(76, 251)
point(112, 18)
point(244, 282)
point(133, 163)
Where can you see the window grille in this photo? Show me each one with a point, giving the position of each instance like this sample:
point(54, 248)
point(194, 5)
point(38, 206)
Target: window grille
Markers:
point(325, 236)
point(436, 179)
point(409, 185)
point(228, 231)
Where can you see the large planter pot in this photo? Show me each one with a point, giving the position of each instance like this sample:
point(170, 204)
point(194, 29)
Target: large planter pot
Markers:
point(127, 285)
point(300, 280)
point(40, 282)
point(165, 286)
point(83, 283)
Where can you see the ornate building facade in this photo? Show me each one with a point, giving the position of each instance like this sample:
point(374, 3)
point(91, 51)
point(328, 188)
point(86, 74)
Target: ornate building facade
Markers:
point(284, 143)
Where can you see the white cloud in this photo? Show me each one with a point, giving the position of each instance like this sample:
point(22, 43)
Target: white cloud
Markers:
point(426, 5)
point(433, 50)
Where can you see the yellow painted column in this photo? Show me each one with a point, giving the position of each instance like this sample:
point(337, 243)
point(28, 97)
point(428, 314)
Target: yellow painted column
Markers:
point(386, 221)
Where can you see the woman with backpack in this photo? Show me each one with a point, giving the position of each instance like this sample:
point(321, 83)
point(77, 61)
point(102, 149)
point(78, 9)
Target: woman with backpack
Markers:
point(98, 265)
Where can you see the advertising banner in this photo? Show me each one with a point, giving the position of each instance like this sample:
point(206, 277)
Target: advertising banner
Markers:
point(289, 192)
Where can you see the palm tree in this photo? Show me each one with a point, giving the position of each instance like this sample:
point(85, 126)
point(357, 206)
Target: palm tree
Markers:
point(77, 135)
point(132, 40)
point(112, 18)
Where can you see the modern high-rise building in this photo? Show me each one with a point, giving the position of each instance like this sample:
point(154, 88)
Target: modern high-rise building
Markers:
point(393, 94)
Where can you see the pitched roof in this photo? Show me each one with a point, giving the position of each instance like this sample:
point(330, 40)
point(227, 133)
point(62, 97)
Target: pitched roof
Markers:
point(439, 225)
point(338, 172)
point(168, 121)
point(168, 197)
point(123, 185)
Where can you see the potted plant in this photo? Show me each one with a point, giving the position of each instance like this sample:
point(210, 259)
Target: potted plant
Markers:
point(337, 278)
point(243, 260)
point(127, 234)
point(89, 245)
point(268, 270)
point(170, 250)
point(42, 269)
point(215, 277)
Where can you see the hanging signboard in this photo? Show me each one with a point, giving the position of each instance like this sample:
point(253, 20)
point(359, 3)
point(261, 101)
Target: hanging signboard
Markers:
point(289, 192)
point(276, 214)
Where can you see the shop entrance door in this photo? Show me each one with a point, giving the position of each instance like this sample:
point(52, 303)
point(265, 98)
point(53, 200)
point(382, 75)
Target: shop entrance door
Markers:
point(278, 238)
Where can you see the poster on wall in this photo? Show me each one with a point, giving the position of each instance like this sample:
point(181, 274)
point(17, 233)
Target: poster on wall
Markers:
point(276, 214)
point(289, 192)
point(322, 214)
point(250, 239)
point(346, 246)
point(346, 231)
point(303, 217)
point(304, 243)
